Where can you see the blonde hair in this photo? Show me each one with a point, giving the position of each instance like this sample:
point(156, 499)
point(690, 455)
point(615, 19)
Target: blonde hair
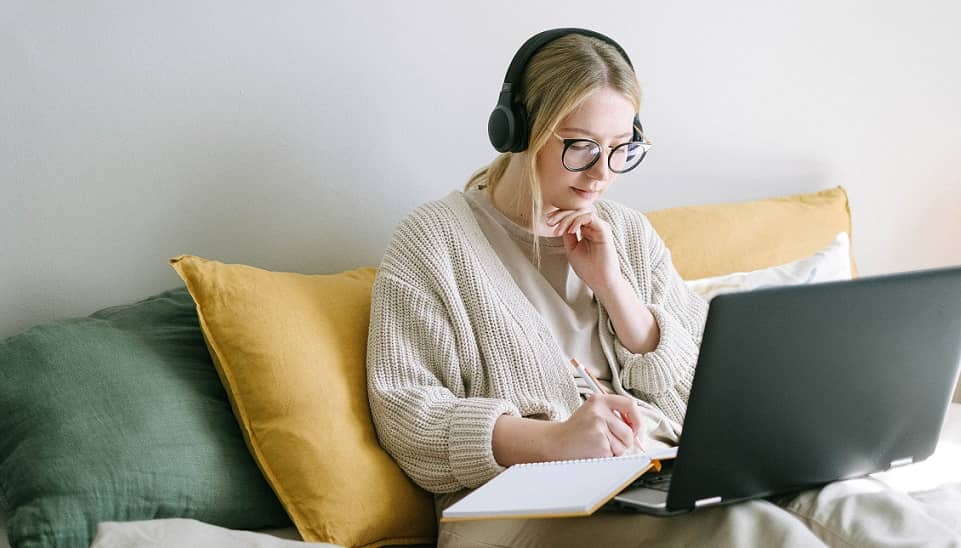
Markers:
point(558, 78)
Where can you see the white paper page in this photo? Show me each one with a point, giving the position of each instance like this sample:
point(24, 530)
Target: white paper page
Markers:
point(550, 488)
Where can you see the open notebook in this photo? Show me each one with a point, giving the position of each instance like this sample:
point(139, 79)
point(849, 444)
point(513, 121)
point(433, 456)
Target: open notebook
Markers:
point(553, 489)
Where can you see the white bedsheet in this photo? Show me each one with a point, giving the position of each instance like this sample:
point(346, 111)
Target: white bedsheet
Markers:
point(943, 468)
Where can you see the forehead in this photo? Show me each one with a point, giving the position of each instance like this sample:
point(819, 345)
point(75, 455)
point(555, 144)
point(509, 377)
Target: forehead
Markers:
point(604, 112)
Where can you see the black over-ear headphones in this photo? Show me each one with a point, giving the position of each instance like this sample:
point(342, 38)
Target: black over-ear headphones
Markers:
point(508, 126)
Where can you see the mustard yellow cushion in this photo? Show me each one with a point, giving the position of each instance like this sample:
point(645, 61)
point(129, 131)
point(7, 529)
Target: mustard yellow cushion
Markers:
point(290, 350)
point(711, 240)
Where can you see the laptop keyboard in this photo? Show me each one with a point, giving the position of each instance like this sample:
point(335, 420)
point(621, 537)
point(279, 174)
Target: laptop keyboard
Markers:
point(660, 482)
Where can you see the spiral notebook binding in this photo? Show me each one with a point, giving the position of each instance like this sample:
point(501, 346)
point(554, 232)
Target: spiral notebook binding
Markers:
point(636, 456)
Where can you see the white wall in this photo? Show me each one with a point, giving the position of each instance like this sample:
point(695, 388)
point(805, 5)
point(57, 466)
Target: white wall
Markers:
point(294, 135)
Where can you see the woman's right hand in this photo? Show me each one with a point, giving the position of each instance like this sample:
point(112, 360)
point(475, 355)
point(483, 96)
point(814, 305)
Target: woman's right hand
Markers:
point(595, 430)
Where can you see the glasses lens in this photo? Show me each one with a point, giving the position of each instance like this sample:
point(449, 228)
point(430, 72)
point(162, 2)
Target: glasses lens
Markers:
point(580, 154)
point(626, 156)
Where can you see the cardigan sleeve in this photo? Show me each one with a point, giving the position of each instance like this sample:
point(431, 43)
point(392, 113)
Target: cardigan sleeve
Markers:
point(438, 436)
point(664, 375)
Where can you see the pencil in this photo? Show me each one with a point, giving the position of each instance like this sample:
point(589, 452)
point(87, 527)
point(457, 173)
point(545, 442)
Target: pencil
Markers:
point(597, 387)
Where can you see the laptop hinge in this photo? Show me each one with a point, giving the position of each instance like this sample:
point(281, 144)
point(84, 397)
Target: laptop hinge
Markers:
point(710, 500)
point(902, 462)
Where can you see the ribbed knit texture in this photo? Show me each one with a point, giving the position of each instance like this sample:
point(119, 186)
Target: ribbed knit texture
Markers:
point(454, 343)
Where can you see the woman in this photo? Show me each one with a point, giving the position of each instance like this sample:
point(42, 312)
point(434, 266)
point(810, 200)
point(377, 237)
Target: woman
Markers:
point(483, 298)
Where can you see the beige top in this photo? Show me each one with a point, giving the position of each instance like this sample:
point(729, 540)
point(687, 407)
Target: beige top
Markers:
point(454, 343)
point(561, 297)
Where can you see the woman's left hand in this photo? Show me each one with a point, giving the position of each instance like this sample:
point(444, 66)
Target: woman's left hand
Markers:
point(593, 257)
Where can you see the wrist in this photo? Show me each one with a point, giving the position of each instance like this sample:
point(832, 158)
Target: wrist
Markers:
point(612, 291)
point(516, 440)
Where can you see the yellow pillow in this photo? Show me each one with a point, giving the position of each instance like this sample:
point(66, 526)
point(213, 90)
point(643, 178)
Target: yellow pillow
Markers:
point(711, 240)
point(290, 350)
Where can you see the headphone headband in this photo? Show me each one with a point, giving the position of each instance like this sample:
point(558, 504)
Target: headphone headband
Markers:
point(523, 56)
point(508, 125)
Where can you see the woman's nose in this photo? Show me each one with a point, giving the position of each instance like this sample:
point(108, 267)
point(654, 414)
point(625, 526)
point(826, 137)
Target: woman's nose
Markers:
point(600, 170)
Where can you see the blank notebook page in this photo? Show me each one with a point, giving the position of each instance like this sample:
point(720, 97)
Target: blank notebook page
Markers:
point(550, 489)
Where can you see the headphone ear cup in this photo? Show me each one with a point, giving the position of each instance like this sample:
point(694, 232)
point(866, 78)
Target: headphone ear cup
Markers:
point(501, 127)
point(521, 129)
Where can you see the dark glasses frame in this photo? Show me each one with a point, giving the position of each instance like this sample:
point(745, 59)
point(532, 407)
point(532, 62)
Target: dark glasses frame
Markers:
point(568, 143)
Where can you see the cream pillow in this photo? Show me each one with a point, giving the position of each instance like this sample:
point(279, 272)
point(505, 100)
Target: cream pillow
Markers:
point(829, 264)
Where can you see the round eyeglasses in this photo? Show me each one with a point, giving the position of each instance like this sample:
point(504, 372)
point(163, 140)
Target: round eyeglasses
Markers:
point(582, 154)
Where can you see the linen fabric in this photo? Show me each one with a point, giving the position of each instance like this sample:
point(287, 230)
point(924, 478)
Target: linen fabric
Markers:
point(120, 416)
point(290, 351)
point(859, 512)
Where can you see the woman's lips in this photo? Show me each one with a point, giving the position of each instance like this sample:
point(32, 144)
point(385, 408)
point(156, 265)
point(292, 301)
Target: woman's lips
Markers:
point(586, 193)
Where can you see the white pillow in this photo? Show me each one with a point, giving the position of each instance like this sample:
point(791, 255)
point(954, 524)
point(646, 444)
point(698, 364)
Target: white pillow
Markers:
point(188, 533)
point(829, 264)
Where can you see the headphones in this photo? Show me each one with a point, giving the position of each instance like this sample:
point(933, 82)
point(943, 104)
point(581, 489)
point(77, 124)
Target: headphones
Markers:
point(508, 126)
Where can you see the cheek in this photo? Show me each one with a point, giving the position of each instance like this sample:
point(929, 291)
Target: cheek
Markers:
point(552, 174)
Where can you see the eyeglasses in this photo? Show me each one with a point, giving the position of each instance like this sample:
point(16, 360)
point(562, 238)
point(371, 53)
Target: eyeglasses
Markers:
point(582, 154)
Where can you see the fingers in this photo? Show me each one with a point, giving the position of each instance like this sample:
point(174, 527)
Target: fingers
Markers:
point(580, 222)
point(619, 419)
point(554, 217)
point(607, 404)
point(622, 437)
point(567, 221)
point(628, 410)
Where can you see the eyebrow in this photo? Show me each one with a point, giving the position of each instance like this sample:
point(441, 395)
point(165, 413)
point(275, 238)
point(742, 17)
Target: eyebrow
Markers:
point(590, 134)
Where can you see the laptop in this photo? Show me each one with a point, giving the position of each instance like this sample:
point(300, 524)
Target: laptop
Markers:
point(799, 386)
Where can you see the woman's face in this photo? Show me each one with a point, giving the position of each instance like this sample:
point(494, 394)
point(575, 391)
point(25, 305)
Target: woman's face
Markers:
point(606, 116)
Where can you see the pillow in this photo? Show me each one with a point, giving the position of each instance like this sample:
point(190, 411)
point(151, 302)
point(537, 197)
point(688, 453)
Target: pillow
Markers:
point(166, 533)
point(712, 240)
point(121, 416)
point(829, 264)
point(290, 349)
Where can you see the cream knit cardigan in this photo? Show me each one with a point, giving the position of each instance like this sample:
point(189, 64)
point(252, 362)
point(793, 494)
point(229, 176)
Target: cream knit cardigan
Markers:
point(454, 343)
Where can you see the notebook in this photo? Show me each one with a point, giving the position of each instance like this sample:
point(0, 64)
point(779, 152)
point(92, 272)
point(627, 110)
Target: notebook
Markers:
point(553, 489)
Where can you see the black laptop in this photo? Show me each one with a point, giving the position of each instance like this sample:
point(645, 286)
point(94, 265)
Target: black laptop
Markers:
point(799, 386)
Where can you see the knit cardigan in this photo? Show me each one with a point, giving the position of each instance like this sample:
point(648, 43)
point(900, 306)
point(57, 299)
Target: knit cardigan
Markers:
point(454, 343)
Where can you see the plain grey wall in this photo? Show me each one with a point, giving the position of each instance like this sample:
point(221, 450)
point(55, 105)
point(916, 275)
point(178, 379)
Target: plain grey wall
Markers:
point(295, 135)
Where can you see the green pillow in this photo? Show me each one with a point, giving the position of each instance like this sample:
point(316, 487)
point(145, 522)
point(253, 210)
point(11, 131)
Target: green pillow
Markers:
point(121, 416)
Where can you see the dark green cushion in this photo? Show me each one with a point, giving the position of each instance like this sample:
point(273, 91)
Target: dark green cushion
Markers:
point(121, 416)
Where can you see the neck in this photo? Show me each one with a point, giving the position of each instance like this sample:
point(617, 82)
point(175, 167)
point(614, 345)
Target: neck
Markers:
point(512, 197)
